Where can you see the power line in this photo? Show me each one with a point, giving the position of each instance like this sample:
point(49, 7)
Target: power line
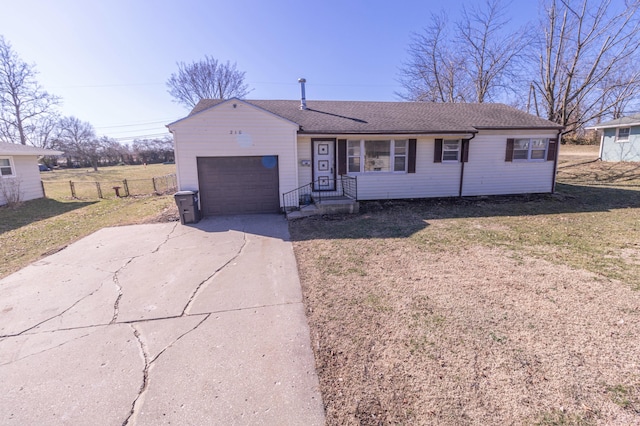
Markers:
point(168, 120)
point(132, 138)
point(134, 130)
point(105, 85)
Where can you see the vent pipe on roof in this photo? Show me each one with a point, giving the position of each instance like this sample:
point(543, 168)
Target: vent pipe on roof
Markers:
point(303, 100)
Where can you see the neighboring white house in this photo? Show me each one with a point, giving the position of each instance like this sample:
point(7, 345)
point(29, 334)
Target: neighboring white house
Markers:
point(243, 155)
point(19, 172)
point(620, 139)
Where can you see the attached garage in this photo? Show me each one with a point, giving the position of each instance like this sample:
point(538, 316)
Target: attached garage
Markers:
point(238, 185)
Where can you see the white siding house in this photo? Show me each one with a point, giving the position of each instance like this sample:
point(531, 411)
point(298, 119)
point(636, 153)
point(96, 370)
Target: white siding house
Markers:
point(19, 172)
point(394, 150)
point(487, 172)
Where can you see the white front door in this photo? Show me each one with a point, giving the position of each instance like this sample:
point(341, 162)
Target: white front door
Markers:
point(324, 158)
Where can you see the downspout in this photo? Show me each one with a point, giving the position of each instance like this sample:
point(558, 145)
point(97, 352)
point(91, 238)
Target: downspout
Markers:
point(555, 163)
point(473, 135)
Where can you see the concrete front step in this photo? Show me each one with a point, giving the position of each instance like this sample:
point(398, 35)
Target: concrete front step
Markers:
point(338, 206)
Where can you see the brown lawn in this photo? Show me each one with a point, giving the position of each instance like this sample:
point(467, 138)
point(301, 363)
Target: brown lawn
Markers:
point(500, 310)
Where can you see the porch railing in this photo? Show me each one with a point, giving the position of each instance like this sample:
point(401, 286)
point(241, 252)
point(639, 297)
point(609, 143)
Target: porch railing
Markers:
point(343, 187)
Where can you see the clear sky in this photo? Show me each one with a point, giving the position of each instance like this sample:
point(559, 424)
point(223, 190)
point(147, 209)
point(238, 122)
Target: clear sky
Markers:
point(109, 59)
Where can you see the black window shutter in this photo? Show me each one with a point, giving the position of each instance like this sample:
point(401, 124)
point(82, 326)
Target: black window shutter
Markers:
point(411, 159)
point(437, 152)
point(465, 150)
point(509, 154)
point(342, 157)
point(552, 150)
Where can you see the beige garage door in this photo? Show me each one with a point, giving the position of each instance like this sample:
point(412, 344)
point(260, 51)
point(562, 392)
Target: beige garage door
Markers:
point(238, 185)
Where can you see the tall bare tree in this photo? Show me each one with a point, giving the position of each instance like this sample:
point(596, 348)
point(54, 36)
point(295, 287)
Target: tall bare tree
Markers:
point(435, 70)
point(78, 140)
point(474, 63)
point(585, 70)
point(22, 101)
point(206, 79)
point(493, 54)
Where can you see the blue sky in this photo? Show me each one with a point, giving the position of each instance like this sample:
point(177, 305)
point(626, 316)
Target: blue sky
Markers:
point(109, 59)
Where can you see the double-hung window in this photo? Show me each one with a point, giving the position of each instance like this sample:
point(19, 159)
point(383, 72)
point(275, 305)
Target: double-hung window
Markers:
point(450, 150)
point(622, 134)
point(6, 167)
point(530, 149)
point(364, 156)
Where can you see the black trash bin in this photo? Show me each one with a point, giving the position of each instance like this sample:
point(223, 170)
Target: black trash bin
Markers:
point(188, 209)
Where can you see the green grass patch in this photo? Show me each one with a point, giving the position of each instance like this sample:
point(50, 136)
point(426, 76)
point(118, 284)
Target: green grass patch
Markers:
point(112, 173)
point(139, 181)
point(38, 227)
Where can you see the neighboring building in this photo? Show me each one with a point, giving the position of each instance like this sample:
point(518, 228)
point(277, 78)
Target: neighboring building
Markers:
point(243, 155)
point(620, 139)
point(19, 171)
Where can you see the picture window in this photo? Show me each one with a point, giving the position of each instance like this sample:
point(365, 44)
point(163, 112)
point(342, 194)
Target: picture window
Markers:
point(371, 156)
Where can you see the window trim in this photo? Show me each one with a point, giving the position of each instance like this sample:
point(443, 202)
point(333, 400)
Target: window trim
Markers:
point(11, 166)
point(530, 150)
point(392, 156)
point(618, 139)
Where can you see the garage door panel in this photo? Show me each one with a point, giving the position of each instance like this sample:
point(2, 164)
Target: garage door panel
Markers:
point(233, 185)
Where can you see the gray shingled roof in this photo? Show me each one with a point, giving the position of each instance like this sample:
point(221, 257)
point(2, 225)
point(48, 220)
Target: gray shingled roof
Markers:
point(631, 120)
point(340, 117)
point(17, 149)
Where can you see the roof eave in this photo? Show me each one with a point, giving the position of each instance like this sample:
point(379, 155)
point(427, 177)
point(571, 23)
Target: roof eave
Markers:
point(558, 127)
point(613, 126)
point(384, 132)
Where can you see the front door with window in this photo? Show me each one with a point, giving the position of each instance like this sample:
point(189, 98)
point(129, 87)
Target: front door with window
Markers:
point(324, 168)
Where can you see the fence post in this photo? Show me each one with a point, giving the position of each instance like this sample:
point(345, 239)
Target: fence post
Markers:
point(126, 187)
point(155, 189)
point(99, 189)
point(73, 189)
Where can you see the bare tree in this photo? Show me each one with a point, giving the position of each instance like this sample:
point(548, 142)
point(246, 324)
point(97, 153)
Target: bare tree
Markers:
point(154, 150)
point(43, 130)
point(22, 101)
point(78, 140)
point(474, 63)
point(112, 152)
point(206, 79)
point(492, 53)
point(435, 71)
point(585, 70)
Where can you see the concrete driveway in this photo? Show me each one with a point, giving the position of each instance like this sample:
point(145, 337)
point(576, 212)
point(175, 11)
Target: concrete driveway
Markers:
point(160, 324)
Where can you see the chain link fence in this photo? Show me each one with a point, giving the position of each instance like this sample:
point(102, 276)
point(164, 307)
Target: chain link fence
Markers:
point(85, 190)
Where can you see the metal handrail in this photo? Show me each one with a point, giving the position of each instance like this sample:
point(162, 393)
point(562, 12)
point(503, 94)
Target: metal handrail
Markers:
point(304, 196)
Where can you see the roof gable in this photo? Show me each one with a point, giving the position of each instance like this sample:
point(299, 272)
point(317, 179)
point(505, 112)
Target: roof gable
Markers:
point(359, 117)
point(211, 104)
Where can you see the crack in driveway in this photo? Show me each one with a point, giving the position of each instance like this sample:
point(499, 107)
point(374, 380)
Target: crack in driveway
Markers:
point(116, 281)
point(203, 283)
point(56, 315)
point(166, 240)
point(148, 363)
point(46, 350)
